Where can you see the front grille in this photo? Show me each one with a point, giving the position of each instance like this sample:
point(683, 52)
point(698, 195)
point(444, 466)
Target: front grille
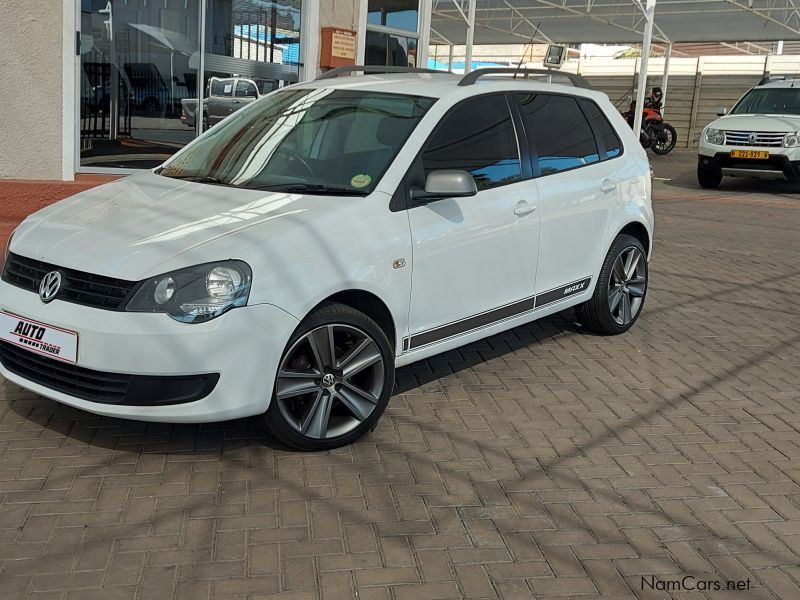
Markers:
point(78, 287)
point(97, 386)
point(767, 139)
point(103, 387)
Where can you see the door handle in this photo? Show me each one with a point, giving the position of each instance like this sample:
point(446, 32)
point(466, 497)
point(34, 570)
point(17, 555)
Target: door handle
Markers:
point(523, 208)
point(608, 186)
point(236, 102)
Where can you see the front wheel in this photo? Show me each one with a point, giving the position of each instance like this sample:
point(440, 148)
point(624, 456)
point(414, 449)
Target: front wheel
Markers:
point(665, 139)
point(708, 179)
point(620, 291)
point(334, 380)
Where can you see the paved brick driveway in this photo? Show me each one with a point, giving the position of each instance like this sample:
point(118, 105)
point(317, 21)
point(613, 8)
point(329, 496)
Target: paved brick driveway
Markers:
point(542, 462)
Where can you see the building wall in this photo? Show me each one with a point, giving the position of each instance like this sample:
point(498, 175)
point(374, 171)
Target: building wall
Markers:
point(31, 128)
point(339, 13)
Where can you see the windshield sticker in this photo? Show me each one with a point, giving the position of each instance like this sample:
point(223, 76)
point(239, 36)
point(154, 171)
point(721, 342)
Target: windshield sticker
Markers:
point(361, 180)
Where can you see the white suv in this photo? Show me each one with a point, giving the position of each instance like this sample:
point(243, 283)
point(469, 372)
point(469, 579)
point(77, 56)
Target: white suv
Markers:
point(288, 260)
point(759, 138)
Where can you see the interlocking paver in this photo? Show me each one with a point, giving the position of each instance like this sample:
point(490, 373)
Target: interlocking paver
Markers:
point(544, 461)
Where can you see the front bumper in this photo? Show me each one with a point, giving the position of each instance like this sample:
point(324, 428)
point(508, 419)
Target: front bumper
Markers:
point(777, 166)
point(243, 346)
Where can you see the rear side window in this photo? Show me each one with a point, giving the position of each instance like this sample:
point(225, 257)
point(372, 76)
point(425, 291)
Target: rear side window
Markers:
point(607, 138)
point(558, 132)
point(476, 136)
point(245, 89)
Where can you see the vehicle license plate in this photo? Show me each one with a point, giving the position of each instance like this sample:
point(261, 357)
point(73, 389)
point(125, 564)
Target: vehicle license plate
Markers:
point(757, 154)
point(41, 338)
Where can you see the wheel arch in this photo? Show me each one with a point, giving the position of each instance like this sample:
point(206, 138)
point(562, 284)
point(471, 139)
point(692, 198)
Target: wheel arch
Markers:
point(371, 305)
point(639, 231)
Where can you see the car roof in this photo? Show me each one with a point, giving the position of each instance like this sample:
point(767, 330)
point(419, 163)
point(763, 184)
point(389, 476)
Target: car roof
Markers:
point(781, 83)
point(441, 85)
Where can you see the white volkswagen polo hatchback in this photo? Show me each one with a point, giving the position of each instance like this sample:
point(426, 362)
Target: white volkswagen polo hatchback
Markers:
point(288, 260)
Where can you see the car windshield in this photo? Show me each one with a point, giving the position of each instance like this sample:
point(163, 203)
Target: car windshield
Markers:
point(770, 101)
point(304, 140)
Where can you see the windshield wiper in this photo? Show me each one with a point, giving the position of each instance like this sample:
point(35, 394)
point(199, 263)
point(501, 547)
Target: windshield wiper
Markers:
point(310, 188)
point(197, 179)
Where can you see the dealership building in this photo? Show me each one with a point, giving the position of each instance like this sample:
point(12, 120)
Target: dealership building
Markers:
point(104, 86)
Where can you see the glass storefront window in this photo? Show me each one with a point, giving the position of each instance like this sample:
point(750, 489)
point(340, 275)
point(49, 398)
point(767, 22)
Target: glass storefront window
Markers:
point(389, 49)
point(396, 14)
point(136, 70)
point(256, 30)
point(139, 71)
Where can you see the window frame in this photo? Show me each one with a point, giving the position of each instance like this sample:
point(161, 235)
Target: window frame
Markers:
point(533, 150)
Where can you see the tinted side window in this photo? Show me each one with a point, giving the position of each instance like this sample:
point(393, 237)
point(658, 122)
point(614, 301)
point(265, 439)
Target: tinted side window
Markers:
point(607, 138)
point(558, 131)
point(221, 87)
point(245, 89)
point(476, 136)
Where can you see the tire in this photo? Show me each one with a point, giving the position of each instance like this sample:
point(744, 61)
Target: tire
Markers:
point(604, 312)
point(319, 403)
point(665, 140)
point(708, 179)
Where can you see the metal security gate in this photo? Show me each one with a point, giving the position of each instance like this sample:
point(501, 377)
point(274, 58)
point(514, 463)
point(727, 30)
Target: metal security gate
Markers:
point(98, 104)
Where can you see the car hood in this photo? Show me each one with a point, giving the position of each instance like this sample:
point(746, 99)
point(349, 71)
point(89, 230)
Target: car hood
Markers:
point(778, 123)
point(146, 224)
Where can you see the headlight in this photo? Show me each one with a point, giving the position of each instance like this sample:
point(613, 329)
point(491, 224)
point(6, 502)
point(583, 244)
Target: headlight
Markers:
point(792, 140)
point(715, 136)
point(196, 294)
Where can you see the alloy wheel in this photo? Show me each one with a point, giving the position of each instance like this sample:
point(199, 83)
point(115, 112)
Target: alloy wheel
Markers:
point(627, 285)
point(330, 381)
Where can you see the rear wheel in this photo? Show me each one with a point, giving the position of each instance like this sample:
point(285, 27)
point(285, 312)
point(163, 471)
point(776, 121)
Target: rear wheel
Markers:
point(620, 291)
point(708, 179)
point(334, 380)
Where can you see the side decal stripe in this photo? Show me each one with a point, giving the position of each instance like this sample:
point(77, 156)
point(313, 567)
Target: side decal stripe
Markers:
point(500, 314)
point(563, 292)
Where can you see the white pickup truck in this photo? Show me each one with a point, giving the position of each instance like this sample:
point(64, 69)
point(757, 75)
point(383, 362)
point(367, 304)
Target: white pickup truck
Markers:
point(224, 97)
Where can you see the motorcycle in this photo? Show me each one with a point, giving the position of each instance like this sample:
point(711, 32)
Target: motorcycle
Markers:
point(656, 133)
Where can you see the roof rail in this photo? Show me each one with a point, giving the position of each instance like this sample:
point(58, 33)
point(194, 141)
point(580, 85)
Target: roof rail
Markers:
point(769, 78)
point(373, 69)
point(472, 77)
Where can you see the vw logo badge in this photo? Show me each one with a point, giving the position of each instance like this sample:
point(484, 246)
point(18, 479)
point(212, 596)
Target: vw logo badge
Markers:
point(49, 287)
point(753, 137)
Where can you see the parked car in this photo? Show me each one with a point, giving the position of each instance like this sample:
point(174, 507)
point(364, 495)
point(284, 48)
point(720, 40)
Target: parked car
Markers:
point(288, 260)
point(759, 138)
point(223, 98)
point(151, 94)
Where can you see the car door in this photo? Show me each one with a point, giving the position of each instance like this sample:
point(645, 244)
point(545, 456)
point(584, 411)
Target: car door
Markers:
point(246, 93)
point(578, 186)
point(474, 258)
point(220, 99)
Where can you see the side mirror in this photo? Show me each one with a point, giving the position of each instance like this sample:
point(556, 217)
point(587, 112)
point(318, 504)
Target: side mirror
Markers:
point(447, 183)
point(722, 111)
